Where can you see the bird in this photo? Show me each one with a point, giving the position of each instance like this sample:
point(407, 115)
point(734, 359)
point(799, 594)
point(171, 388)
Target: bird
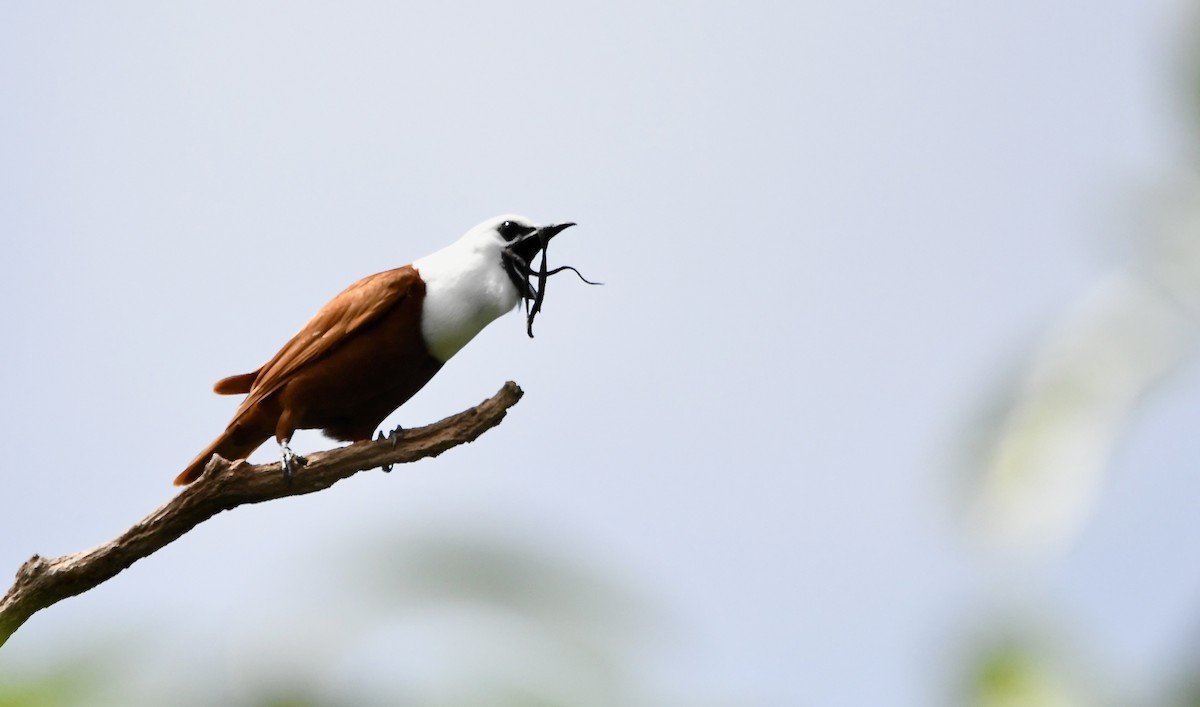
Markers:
point(379, 341)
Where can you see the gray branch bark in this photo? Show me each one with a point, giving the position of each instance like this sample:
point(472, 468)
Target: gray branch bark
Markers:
point(225, 485)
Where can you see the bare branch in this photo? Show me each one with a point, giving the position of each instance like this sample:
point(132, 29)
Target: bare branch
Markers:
point(226, 485)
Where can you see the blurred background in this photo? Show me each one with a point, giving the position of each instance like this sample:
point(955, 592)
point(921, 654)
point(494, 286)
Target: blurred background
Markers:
point(889, 397)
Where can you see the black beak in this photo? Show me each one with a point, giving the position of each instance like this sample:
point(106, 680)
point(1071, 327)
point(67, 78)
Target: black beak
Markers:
point(555, 229)
point(529, 244)
point(517, 260)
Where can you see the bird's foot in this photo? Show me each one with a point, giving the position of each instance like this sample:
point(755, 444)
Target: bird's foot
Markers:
point(394, 438)
point(289, 461)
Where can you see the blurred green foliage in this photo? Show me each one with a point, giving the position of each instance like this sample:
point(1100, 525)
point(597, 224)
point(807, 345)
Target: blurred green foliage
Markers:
point(68, 683)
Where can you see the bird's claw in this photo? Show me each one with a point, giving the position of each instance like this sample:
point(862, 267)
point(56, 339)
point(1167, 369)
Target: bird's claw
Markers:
point(289, 462)
point(394, 438)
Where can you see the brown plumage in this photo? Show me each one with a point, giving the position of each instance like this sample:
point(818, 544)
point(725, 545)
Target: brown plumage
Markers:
point(345, 371)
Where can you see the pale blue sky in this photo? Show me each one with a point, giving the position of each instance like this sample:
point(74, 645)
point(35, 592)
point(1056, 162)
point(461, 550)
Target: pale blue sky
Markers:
point(827, 230)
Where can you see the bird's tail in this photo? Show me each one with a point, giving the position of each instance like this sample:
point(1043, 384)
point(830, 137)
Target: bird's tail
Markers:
point(232, 444)
point(236, 385)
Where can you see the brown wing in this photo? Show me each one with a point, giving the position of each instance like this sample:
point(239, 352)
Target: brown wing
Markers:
point(356, 307)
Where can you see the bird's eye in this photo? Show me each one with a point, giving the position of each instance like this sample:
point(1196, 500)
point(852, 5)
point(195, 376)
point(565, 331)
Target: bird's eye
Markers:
point(509, 230)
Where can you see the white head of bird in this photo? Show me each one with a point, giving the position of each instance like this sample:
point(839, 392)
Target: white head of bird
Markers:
point(478, 278)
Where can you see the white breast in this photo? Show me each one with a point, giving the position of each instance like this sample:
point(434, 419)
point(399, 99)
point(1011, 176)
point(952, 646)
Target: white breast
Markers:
point(466, 289)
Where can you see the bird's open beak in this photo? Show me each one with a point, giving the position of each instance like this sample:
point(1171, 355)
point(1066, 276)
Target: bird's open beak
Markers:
point(529, 245)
